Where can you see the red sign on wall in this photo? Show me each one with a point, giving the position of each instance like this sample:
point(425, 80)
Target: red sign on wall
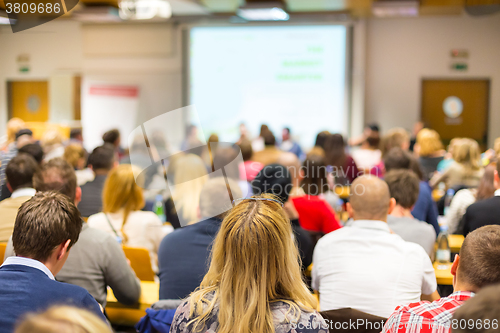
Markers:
point(121, 91)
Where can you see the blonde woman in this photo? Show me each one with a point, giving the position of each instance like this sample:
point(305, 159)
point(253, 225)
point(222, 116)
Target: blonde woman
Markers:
point(63, 319)
point(254, 282)
point(122, 217)
point(429, 149)
point(75, 155)
point(466, 169)
point(52, 144)
point(189, 177)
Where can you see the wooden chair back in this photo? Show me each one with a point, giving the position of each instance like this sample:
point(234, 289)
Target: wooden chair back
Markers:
point(140, 262)
point(3, 246)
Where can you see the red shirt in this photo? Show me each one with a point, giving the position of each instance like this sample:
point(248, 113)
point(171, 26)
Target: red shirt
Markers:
point(315, 214)
point(426, 317)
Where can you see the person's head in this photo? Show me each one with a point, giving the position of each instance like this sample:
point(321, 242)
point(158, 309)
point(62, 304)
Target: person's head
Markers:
point(335, 150)
point(314, 180)
point(74, 154)
point(122, 192)
point(62, 319)
point(292, 163)
point(269, 139)
point(263, 129)
point(479, 314)
point(46, 228)
point(58, 175)
point(33, 149)
point(396, 159)
point(370, 199)
point(102, 158)
point(190, 176)
point(321, 139)
point(76, 134)
point(23, 137)
point(374, 127)
point(466, 152)
point(225, 157)
point(20, 171)
point(396, 137)
point(214, 197)
point(273, 179)
point(254, 261)
point(112, 137)
point(478, 264)
point(213, 140)
point(373, 140)
point(429, 142)
point(246, 149)
point(14, 125)
point(51, 139)
point(486, 188)
point(285, 134)
point(403, 187)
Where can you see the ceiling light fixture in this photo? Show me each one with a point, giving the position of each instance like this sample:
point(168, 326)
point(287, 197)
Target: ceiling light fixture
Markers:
point(263, 14)
point(144, 9)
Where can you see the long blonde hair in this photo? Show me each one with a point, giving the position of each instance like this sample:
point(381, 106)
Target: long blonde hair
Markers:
point(429, 142)
point(191, 170)
point(122, 192)
point(466, 152)
point(63, 319)
point(254, 261)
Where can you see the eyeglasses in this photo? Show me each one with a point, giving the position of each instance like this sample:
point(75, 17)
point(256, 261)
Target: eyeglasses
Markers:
point(258, 199)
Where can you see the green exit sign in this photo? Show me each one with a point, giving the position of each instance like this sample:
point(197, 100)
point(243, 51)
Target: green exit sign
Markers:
point(459, 66)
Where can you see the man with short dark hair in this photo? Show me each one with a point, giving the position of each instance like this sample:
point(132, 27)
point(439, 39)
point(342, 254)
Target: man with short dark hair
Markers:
point(364, 265)
point(477, 266)
point(484, 212)
point(101, 161)
point(404, 187)
point(97, 260)
point(289, 145)
point(46, 228)
point(19, 172)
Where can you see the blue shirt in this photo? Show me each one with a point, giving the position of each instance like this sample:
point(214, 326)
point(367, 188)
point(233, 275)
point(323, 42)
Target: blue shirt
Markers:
point(425, 208)
point(26, 286)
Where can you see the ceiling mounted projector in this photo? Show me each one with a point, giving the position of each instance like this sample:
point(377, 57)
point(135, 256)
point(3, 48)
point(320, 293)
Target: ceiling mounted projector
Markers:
point(144, 9)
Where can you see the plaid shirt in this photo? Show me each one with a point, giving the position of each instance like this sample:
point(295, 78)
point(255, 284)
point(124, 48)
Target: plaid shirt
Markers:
point(426, 317)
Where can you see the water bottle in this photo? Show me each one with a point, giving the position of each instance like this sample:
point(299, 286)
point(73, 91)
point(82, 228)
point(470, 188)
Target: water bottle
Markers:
point(447, 200)
point(443, 252)
point(159, 209)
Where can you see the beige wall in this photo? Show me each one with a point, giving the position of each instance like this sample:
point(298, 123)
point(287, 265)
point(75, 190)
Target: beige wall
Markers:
point(400, 52)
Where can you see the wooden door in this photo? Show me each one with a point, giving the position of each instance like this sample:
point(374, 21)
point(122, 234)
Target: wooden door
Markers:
point(29, 100)
point(457, 108)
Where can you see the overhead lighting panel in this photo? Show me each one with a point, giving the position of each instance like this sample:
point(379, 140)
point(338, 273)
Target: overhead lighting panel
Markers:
point(263, 14)
point(393, 8)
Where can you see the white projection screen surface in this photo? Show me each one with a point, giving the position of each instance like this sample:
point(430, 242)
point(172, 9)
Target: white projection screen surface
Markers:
point(282, 76)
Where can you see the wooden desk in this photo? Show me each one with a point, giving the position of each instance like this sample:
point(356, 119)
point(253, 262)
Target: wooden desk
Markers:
point(455, 242)
point(129, 315)
point(443, 274)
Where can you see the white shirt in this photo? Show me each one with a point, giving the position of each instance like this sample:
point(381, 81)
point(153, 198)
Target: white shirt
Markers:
point(497, 193)
point(366, 158)
point(365, 267)
point(143, 229)
point(23, 192)
point(30, 263)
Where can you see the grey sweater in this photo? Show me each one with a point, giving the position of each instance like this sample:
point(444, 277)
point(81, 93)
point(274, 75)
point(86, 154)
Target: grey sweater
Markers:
point(95, 262)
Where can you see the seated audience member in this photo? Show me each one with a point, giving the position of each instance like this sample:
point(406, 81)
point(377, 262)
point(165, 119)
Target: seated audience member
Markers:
point(343, 166)
point(46, 228)
point(403, 187)
point(275, 179)
point(112, 138)
point(321, 139)
point(395, 137)
point(448, 156)
point(183, 256)
point(480, 314)
point(252, 286)
point(14, 125)
point(465, 170)
point(96, 261)
point(429, 150)
point(52, 144)
point(369, 154)
point(289, 145)
point(122, 217)
point(271, 153)
point(182, 207)
point(314, 212)
point(369, 130)
point(75, 155)
point(249, 169)
point(475, 268)
point(101, 161)
point(466, 197)
point(75, 136)
point(33, 149)
point(23, 137)
point(62, 319)
point(364, 265)
point(19, 172)
point(258, 142)
point(425, 209)
point(484, 212)
point(417, 127)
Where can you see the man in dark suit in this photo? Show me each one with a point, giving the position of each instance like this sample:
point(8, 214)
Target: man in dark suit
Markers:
point(101, 160)
point(46, 228)
point(484, 212)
